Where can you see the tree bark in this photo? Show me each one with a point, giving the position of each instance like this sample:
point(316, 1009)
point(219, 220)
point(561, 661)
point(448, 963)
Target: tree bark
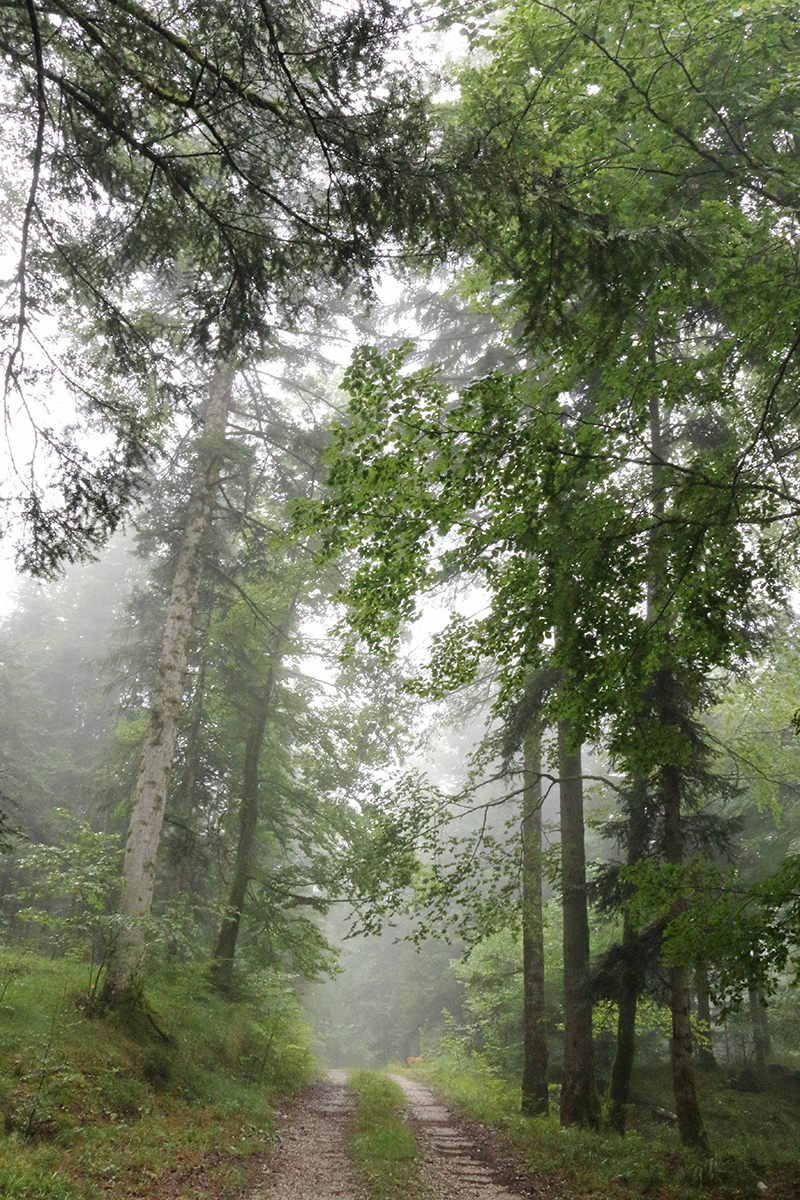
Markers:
point(225, 948)
point(625, 1051)
point(668, 699)
point(580, 1103)
point(631, 981)
point(144, 833)
point(535, 1100)
point(705, 1051)
point(687, 1107)
point(761, 1039)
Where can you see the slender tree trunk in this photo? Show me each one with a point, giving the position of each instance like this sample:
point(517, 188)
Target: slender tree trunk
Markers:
point(667, 701)
point(619, 1091)
point(687, 1107)
point(631, 981)
point(705, 1051)
point(761, 1039)
point(144, 833)
point(580, 1103)
point(225, 948)
point(535, 1100)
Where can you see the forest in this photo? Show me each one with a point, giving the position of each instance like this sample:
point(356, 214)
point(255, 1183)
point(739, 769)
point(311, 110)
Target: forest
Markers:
point(400, 645)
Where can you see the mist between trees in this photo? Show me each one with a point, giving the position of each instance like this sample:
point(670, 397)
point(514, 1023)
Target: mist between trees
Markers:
point(571, 815)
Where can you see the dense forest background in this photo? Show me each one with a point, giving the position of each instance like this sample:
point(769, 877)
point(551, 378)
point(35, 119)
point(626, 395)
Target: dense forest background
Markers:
point(401, 465)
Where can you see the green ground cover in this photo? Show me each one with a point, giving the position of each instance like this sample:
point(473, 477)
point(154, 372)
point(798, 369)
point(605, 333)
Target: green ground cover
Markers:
point(755, 1137)
point(381, 1143)
point(173, 1101)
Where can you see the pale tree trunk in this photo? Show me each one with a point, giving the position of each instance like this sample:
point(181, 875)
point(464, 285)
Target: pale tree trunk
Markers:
point(144, 832)
point(535, 1099)
point(580, 1103)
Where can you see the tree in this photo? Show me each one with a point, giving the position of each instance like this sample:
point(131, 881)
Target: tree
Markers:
point(535, 1097)
point(580, 1103)
point(144, 832)
point(262, 813)
point(184, 170)
point(599, 183)
point(632, 973)
point(225, 170)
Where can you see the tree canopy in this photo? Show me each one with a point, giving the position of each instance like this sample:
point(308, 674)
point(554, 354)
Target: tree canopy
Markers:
point(171, 175)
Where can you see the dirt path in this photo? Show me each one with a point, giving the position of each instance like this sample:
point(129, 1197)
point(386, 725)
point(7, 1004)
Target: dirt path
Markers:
point(457, 1166)
point(310, 1161)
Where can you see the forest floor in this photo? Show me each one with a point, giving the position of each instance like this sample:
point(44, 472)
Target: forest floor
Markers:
point(460, 1160)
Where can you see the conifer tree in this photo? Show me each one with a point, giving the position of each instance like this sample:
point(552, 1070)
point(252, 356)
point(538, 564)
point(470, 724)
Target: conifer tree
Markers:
point(171, 171)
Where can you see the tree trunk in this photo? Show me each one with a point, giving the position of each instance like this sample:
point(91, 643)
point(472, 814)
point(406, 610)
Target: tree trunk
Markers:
point(619, 1092)
point(761, 1039)
point(225, 948)
point(705, 1051)
point(535, 1100)
point(631, 981)
point(667, 701)
point(690, 1121)
point(144, 833)
point(580, 1103)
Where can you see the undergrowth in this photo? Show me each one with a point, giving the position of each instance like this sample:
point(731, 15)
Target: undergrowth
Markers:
point(172, 1100)
point(755, 1138)
point(382, 1144)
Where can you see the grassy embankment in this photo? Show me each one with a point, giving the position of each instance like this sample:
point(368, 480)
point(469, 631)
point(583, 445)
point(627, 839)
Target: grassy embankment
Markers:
point(381, 1144)
point(125, 1105)
point(755, 1138)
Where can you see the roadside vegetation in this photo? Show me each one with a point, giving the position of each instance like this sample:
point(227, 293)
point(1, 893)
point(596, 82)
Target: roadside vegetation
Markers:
point(174, 1099)
point(754, 1135)
point(381, 1143)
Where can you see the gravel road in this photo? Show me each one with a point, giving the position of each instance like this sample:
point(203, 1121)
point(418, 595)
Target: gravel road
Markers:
point(310, 1161)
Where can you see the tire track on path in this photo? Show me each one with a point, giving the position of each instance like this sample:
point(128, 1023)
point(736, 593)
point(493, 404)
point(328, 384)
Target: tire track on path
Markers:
point(310, 1161)
point(454, 1168)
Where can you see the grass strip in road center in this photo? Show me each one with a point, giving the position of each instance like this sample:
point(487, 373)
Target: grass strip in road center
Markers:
point(381, 1143)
